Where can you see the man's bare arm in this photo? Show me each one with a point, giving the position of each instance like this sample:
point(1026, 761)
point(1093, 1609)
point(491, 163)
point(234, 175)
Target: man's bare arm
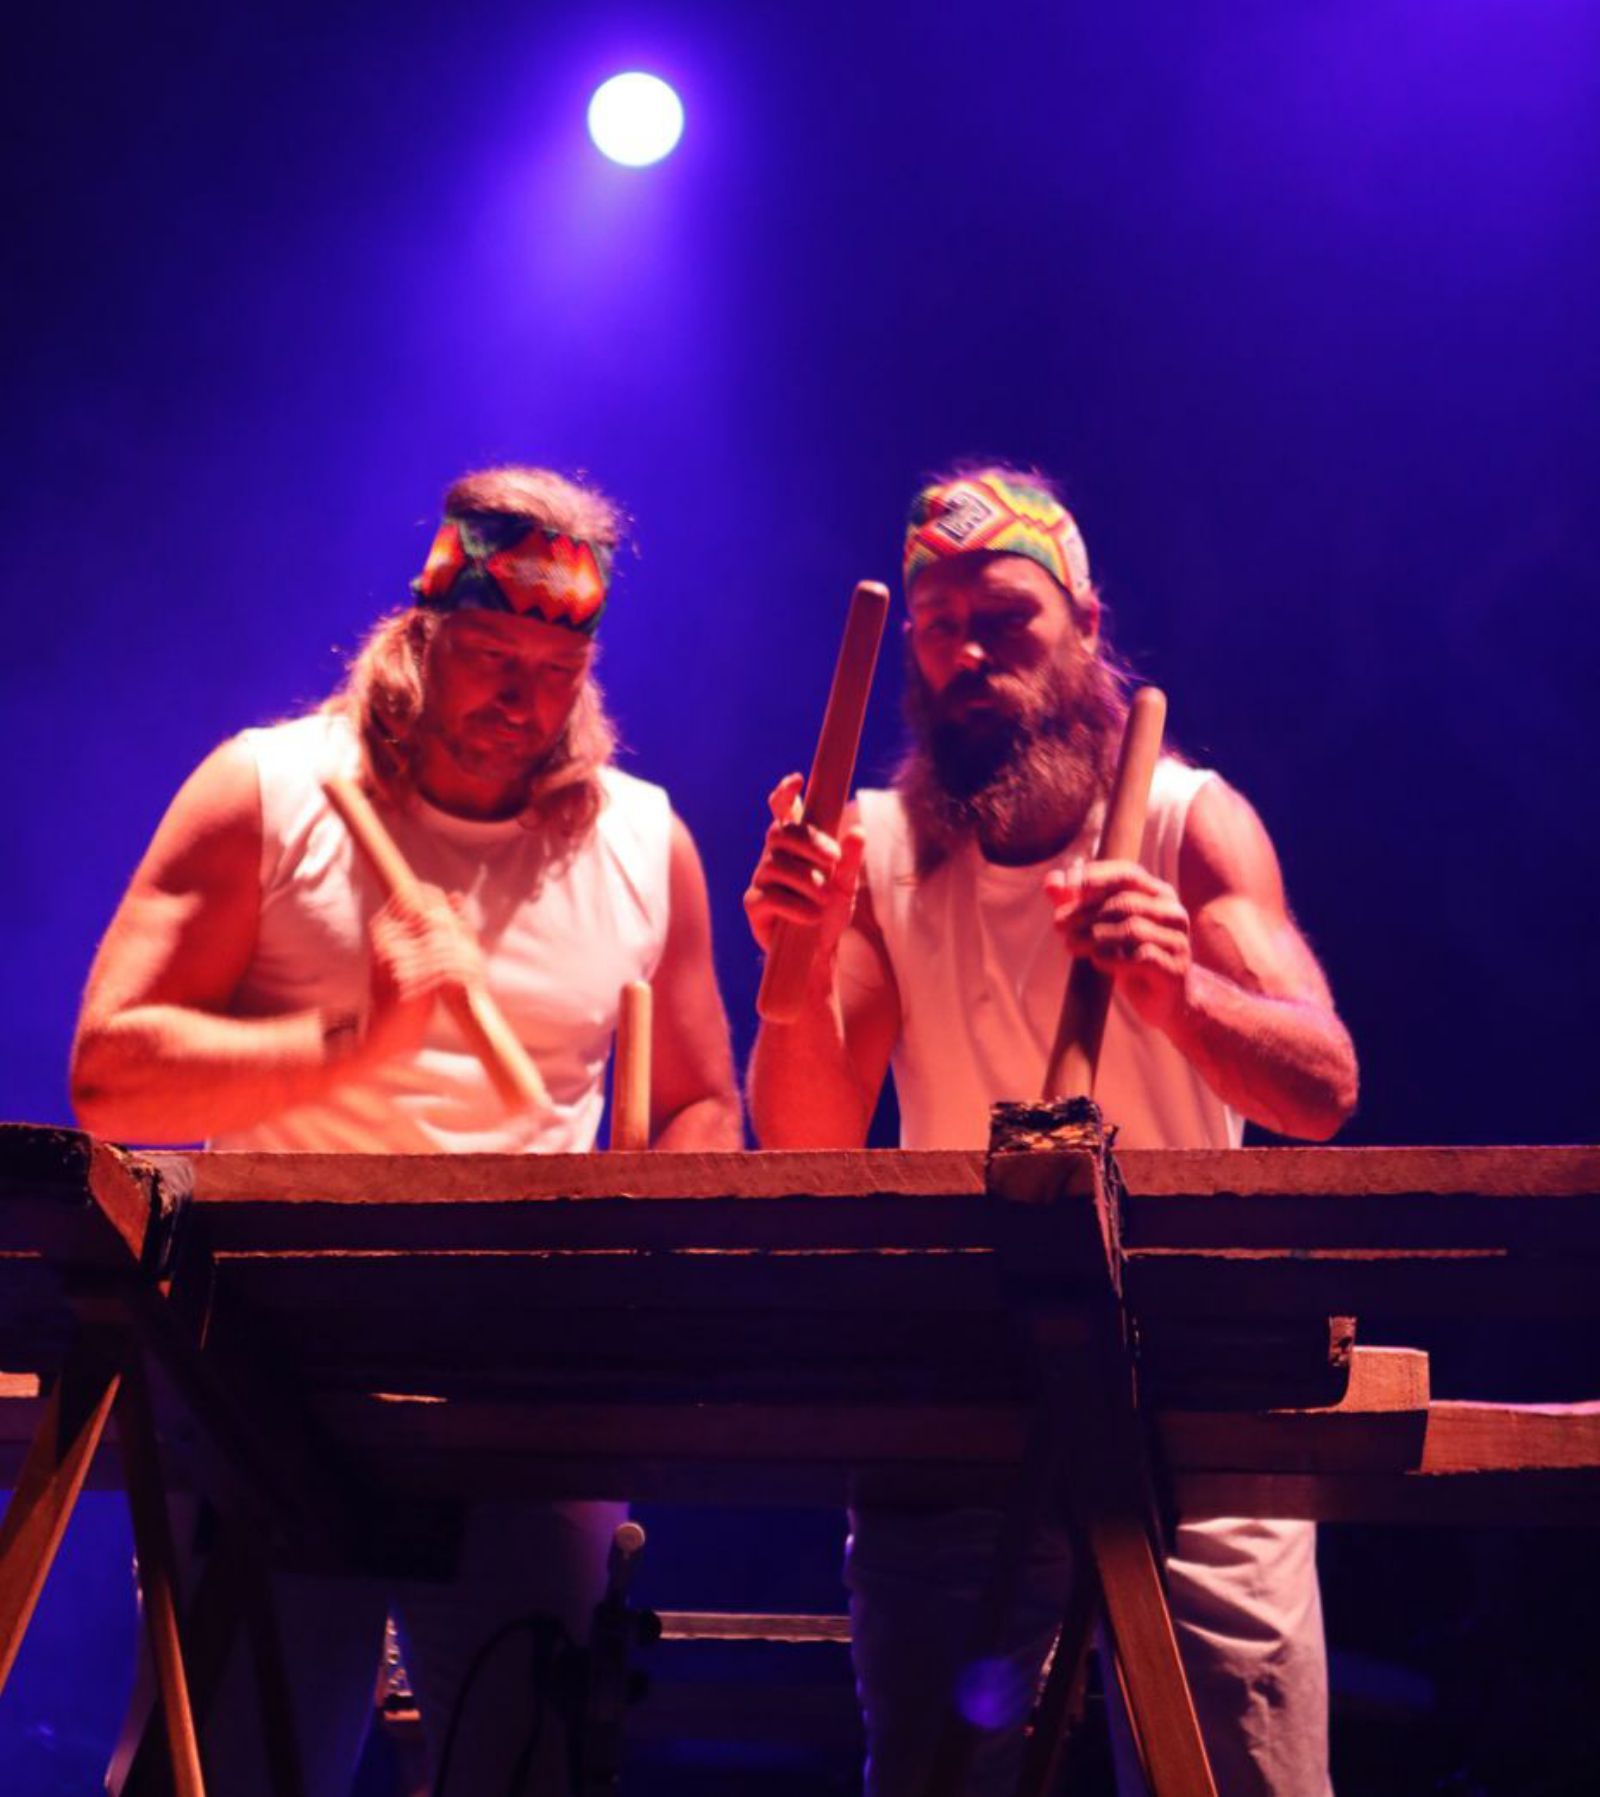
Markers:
point(156, 1058)
point(814, 1083)
point(694, 1097)
point(1220, 966)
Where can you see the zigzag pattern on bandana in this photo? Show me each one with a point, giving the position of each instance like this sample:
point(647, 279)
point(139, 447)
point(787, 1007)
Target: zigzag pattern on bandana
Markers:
point(495, 561)
point(993, 514)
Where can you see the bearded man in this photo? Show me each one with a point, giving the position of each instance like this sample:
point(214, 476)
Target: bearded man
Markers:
point(948, 916)
point(255, 989)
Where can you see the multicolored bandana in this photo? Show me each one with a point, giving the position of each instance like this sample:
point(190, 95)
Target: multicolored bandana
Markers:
point(993, 514)
point(494, 561)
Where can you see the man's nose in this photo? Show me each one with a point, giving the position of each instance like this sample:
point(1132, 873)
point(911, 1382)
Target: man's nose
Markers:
point(515, 693)
point(973, 656)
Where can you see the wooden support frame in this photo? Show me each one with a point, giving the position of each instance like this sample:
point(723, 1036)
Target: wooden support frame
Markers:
point(232, 1593)
point(64, 1445)
point(1090, 1405)
point(161, 1600)
point(710, 1254)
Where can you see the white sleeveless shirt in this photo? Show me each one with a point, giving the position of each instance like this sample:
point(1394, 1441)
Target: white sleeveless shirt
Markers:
point(559, 941)
point(981, 970)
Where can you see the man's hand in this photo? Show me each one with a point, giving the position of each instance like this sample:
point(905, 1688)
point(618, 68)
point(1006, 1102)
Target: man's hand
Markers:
point(421, 950)
point(1130, 925)
point(804, 876)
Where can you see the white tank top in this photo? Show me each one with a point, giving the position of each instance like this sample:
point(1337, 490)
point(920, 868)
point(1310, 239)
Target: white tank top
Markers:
point(559, 949)
point(981, 970)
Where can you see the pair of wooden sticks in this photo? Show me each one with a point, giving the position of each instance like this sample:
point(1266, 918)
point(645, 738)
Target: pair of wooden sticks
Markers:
point(508, 1064)
point(1075, 1054)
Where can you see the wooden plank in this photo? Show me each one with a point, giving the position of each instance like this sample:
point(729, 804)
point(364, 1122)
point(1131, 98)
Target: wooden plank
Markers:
point(1425, 1222)
point(1445, 1284)
point(1227, 1363)
point(418, 1426)
point(252, 1227)
point(1380, 1423)
point(1564, 1498)
point(1526, 1464)
point(719, 1625)
point(757, 1371)
point(221, 1177)
point(470, 1285)
point(1389, 1388)
point(1534, 1198)
point(1505, 1172)
point(1495, 1438)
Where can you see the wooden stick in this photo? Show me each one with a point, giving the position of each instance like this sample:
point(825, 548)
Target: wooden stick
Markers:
point(1075, 1056)
point(783, 983)
point(480, 1019)
point(630, 1074)
point(158, 1573)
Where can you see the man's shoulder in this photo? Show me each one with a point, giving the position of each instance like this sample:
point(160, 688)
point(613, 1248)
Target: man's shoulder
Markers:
point(619, 782)
point(303, 750)
point(627, 795)
point(634, 811)
point(1178, 782)
point(880, 811)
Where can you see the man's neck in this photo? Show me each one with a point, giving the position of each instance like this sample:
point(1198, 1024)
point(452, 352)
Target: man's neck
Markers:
point(448, 789)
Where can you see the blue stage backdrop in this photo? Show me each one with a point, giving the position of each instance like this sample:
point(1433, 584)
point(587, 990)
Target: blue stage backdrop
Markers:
point(1298, 300)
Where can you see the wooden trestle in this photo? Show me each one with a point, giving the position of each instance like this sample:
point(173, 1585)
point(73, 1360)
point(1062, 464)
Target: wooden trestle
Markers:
point(333, 1348)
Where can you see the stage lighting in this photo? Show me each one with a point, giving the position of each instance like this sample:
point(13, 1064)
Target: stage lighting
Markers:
point(635, 119)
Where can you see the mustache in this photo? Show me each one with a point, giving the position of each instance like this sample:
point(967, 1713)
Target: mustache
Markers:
point(1010, 692)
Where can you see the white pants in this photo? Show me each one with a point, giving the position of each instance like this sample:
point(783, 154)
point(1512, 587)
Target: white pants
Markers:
point(516, 1559)
point(1245, 1605)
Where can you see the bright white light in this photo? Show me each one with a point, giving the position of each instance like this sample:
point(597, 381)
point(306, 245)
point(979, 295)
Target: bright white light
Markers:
point(635, 119)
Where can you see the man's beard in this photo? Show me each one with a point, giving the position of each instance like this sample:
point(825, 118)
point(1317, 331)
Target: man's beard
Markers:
point(1023, 770)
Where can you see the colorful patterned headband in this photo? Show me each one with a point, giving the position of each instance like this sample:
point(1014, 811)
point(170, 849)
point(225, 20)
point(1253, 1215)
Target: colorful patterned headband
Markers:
point(997, 515)
point(495, 561)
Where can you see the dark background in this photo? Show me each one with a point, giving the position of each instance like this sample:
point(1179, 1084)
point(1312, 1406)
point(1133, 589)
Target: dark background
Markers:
point(1299, 299)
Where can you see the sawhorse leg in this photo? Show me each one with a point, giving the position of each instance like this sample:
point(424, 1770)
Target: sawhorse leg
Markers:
point(158, 1580)
point(234, 1586)
point(1160, 1709)
point(1060, 1706)
point(52, 1476)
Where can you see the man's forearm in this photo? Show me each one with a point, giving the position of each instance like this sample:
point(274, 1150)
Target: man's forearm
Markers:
point(711, 1124)
point(1287, 1064)
point(803, 1088)
point(169, 1073)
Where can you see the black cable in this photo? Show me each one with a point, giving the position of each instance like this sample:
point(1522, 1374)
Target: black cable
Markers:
point(547, 1635)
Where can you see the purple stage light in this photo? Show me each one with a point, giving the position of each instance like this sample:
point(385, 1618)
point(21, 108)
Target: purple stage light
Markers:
point(992, 1694)
point(635, 119)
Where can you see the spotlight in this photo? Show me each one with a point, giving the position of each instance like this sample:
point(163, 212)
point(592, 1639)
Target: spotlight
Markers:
point(635, 119)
